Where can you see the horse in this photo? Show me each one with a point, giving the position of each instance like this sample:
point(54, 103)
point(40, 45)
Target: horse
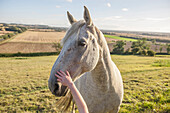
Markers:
point(86, 56)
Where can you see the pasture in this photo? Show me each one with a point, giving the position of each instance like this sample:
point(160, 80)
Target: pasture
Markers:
point(23, 84)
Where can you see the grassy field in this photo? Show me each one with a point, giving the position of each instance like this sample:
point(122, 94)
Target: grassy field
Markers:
point(23, 84)
point(119, 38)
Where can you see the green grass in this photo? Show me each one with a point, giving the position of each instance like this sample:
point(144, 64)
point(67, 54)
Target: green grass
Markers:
point(23, 84)
point(162, 63)
point(119, 38)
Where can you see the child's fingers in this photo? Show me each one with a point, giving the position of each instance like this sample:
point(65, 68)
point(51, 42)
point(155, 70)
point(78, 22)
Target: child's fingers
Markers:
point(60, 73)
point(58, 76)
point(59, 80)
point(63, 73)
point(67, 73)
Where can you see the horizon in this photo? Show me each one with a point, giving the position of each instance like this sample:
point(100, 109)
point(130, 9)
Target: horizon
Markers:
point(122, 15)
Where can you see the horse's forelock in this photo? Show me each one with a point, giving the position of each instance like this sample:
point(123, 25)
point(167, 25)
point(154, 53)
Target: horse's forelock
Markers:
point(74, 27)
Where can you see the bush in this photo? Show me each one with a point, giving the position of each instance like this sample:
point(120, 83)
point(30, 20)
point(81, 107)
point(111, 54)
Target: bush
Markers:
point(151, 53)
point(135, 50)
point(10, 35)
point(5, 36)
point(128, 51)
point(119, 47)
point(19, 54)
point(168, 48)
point(57, 46)
point(143, 52)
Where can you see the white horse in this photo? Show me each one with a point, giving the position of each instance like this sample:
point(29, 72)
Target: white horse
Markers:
point(86, 56)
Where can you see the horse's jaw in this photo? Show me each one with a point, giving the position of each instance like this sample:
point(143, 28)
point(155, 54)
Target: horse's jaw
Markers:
point(56, 87)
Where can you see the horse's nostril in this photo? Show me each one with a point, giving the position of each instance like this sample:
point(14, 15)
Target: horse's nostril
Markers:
point(56, 88)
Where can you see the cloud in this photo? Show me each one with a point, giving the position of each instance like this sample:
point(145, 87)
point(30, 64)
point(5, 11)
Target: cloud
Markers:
point(108, 5)
point(158, 19)
point(125, 9)
point(57, 6)
point(69, 0)
point(118, 16)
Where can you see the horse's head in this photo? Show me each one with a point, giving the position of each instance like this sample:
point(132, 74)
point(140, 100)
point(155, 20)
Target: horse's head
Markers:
point(80, 52)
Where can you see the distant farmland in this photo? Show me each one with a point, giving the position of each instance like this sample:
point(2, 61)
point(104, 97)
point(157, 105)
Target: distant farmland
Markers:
point(39, 37)
point(41, 41)
point(31, 42)
point(119, 38)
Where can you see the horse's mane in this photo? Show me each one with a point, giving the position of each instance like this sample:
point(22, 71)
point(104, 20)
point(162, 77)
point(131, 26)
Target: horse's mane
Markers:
point(74, 27)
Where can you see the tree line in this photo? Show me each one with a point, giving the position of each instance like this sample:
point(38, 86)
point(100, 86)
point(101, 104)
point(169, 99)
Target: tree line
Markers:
point(15, 30)
point(140, 47)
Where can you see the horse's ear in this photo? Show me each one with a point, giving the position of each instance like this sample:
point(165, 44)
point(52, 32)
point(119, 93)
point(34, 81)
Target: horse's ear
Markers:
point(87, 17)
point(71, 18)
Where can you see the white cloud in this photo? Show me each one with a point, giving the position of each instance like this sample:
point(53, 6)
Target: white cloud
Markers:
point(108, 5)
point(125, 9)
point(158, 19)
point(118, 16)
point(69, 0)
point(57, 6)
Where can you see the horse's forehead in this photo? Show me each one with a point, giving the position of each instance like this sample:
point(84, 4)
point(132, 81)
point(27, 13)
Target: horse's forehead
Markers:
point(86, 31)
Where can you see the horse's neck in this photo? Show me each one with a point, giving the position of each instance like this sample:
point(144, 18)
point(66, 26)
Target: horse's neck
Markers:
point(102, 73)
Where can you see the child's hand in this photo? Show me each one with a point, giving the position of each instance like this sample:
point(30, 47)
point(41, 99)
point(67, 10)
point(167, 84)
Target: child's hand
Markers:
point(64, 78)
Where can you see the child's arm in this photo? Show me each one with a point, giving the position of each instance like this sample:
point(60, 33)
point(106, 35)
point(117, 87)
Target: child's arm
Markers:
point(66, 80)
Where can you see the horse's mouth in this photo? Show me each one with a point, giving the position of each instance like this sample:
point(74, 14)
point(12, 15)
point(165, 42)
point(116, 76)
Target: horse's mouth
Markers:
point(60, 91)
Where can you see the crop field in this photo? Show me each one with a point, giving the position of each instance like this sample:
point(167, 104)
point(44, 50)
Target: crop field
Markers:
point(31, 42)
point(23, 84)
point(39, 37)
point(119, 38)
point(15, 47)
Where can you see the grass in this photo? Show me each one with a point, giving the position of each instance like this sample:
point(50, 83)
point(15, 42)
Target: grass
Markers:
point(23, 84)
point(162, 63)
point(119, 38)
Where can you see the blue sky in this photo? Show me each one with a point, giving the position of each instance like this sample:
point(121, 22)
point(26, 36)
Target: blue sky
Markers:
point(132, 15)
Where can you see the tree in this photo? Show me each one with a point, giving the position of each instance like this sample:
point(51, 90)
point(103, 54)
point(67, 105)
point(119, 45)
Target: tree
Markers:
point(154, 41)
point(156, 47)
point(168, 48)
point(128, 51)
point(57, 46)
point(151, 53)
point(119, 47)
point(140, 46)
point(160, 48)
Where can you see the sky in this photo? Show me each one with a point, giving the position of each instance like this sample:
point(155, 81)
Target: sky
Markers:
point(128, 15)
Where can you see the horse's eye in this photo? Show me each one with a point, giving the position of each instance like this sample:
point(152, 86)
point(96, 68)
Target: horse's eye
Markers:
point(81, 43)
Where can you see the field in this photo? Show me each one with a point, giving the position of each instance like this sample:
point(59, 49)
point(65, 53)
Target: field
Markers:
point(119, 38)
point(23, 84)
point(43, 41)
point(39, 37)
point(31, 42)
